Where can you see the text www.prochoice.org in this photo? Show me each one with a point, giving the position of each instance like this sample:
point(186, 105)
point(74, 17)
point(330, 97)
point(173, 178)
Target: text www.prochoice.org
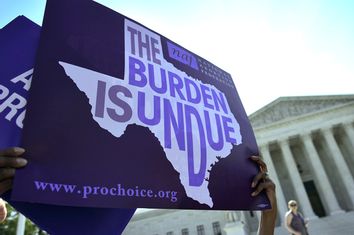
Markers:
point(119, 191)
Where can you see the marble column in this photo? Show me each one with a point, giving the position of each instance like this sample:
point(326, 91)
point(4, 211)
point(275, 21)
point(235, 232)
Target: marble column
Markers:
point(282, 203)
point(329, 197)
point(339, 161)
point(349, 130)
point(296, 180)
point(258, 215)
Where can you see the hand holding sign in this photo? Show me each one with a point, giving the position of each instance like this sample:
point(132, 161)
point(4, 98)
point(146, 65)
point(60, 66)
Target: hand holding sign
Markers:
point(261, 182)
point(10, 160)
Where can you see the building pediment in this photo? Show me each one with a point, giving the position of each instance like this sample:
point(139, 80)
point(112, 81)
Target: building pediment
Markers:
point(289, 107)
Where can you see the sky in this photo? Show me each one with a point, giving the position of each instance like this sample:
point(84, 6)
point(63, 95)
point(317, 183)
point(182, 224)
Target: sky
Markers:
point(271, 48)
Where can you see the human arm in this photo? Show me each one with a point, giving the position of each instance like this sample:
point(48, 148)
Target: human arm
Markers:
point(10, 160)
point(262, 182)
point(305, 220)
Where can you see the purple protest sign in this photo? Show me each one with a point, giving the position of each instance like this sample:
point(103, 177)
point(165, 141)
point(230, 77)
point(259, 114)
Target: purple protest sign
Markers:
point(18, 45)
point(131, 119)
point(18, 42)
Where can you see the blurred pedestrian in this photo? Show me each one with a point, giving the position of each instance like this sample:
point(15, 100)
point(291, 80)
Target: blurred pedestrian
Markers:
point(294, 221)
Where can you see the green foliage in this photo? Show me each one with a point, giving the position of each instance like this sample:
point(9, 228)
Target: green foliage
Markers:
point(9, 226)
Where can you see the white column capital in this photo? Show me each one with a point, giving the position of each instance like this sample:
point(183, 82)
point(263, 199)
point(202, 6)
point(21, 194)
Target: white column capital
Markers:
point(348, 124)
point(306, 135)
point(283, 141)
point(326, 130)
point(263, 147)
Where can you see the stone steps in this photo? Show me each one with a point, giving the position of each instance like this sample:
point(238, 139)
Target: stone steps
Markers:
point(339, 224)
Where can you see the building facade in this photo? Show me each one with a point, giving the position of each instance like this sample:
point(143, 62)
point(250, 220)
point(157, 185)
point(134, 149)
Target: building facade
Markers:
point(308, 145)
point(173, 222)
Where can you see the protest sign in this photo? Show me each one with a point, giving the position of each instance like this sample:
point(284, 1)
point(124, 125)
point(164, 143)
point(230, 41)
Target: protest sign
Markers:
point(131, 119)
point(18, 42)
point(18, 45)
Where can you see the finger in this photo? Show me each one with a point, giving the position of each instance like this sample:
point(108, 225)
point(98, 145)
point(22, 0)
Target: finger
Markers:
point(6, 173)
point(258, 177)
point(5, 185)
point(260, 163)
point(255, 158)
point(259, 189)
point(12, 152)
point(266, 185)
point(15, 162)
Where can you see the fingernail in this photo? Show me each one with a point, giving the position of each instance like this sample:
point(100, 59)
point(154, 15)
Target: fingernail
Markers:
point(21, 161)
point(19, 150)
point(253, 194)
point(253, 184)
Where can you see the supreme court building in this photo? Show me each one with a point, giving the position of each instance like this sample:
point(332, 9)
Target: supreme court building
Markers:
point(308, 145)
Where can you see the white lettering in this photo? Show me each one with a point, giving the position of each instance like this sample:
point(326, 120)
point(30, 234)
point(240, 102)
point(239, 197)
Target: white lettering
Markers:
point(26, 78)
point(4, 92)
point(15, 102)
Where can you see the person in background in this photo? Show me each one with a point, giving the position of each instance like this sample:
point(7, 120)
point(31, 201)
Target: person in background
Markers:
point(294, 221)
point(11, 159)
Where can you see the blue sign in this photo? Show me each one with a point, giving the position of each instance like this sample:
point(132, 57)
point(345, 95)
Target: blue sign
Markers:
point(18, 44)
